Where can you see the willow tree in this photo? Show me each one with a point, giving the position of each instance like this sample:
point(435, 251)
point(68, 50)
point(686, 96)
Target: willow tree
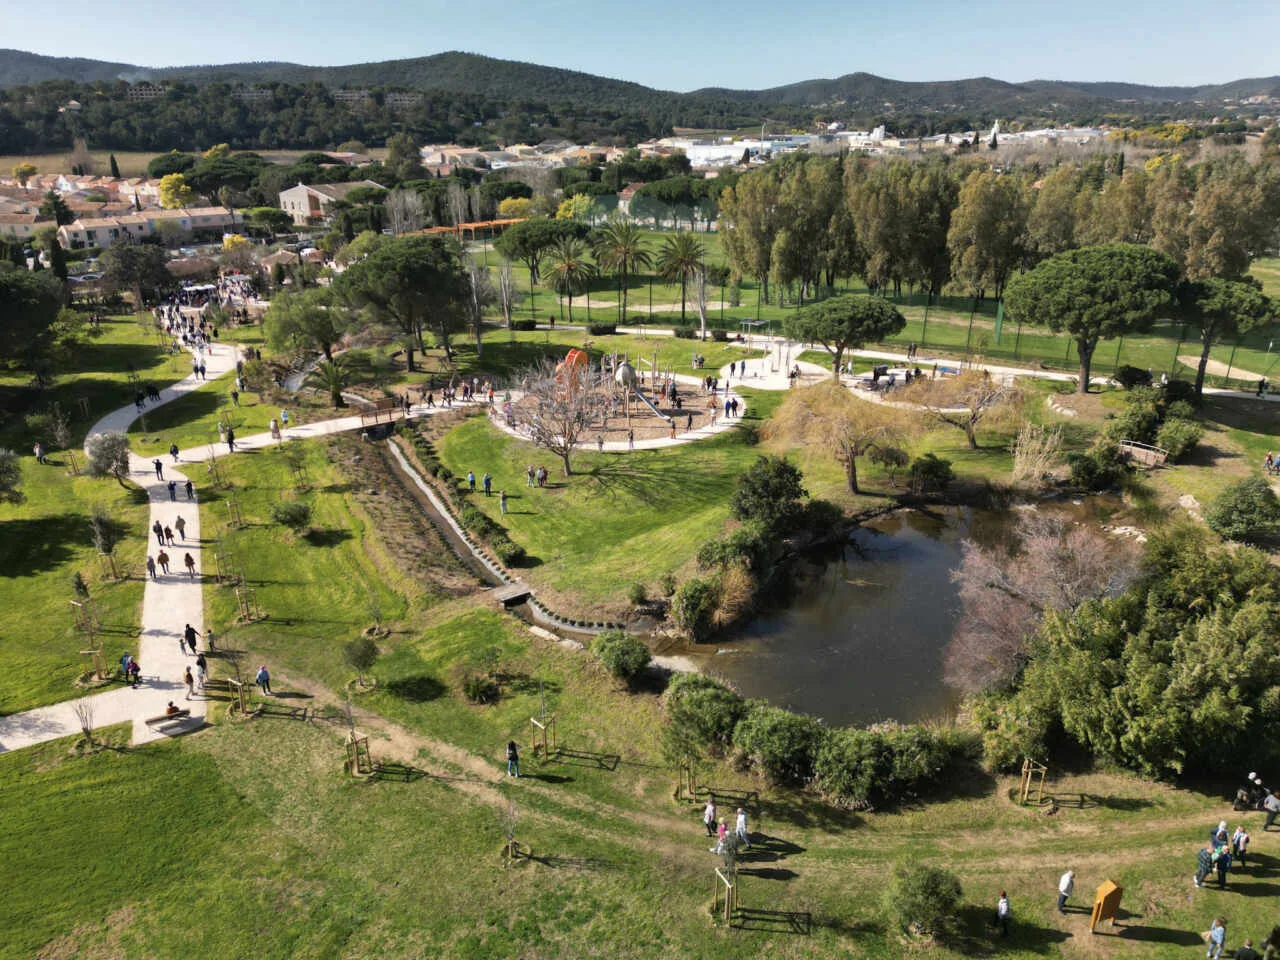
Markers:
point(829, 417)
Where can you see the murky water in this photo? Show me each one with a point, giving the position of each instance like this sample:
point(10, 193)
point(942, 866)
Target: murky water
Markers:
point(863, 639)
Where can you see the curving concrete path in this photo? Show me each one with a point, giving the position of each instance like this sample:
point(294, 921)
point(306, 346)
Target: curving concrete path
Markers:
point(169, 603)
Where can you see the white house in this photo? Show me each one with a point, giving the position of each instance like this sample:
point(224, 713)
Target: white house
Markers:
point(308, 203)
point(104, 231)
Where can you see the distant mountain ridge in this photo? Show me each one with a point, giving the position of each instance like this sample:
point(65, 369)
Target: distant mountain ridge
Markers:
point(515, 81)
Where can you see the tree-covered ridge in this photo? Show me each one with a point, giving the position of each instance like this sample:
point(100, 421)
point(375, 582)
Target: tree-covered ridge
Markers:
point(508, 98)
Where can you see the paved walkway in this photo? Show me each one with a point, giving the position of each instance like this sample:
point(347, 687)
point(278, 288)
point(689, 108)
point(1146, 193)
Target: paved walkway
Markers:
point(169, 603)
point(770, 373)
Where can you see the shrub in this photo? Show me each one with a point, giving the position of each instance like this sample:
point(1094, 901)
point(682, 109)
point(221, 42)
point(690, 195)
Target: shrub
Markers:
point(526, 324)
point(1098, 469)
point(747, 545)
point(1179, 410)
point(703, 709)
point(480, 687)
point(930, 472)
point(638, 594)
point(780, 743)
point(360, 655)
point(1245, 510)
point(667, 584)
point(1139, 421)
point(861, 767)
point(693, 606)
point(511, 554)
point(1130, 377)
point(685, 333)
point(108, 455)
point(738, 589)
point(822, 517)
point(291, 513)
point(1179, 437)
point(720, 336)
point(769, 493)
point(922, 899)
point(622, 654)
point(1176, 390)
point(602, 329)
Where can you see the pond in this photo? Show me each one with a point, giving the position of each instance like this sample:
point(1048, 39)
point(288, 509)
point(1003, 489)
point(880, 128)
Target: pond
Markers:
point(863, 638)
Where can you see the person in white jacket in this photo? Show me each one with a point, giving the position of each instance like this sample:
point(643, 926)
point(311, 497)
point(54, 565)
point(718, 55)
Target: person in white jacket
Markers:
point(1066, 886)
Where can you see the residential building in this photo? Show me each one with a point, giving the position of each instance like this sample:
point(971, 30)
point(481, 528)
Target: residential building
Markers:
point(144, 91)
point(21, 226)
point(130, 228)
point(311, 203)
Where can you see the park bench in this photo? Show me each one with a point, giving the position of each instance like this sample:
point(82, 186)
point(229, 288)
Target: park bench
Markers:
point(165, 718)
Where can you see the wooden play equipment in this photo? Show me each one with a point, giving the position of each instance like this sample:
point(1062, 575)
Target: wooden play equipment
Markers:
point(1106, 903)
point(1030, 770)
point(730, 885)
point(359, 760)
point(544, 737)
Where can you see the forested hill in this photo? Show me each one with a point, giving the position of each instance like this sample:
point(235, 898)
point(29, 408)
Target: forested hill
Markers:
point(511, 80)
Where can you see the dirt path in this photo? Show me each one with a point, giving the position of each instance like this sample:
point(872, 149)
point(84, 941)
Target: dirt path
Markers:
point(1216, 368)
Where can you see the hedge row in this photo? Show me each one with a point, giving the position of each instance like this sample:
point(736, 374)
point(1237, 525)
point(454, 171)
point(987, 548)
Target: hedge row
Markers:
point(473, 520)
point(847, 766)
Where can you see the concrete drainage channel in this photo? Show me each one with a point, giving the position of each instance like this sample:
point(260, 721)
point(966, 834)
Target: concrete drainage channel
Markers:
point(478, 559)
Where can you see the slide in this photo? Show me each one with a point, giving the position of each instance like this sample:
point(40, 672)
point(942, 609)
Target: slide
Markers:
point(650, 405)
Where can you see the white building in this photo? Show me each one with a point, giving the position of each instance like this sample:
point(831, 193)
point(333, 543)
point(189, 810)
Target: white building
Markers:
point(311, 203)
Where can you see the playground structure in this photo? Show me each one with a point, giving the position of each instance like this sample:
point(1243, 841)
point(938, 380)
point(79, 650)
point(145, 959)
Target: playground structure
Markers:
point(634, 399)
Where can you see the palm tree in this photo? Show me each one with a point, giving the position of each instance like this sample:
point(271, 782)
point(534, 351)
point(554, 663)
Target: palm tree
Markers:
point(332, 374)
point(570, 267)
point(621, 248)
point(680, 258)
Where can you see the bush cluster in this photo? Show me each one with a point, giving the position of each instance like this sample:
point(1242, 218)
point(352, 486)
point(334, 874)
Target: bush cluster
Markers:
point(1245, 510)
point(1163, 416)
point(922, 899)
point(602, 329)
point(526, 324)
point(291, 513)
point(851, 767)
point(622, 654)
point(475, 521)
point(694, 605)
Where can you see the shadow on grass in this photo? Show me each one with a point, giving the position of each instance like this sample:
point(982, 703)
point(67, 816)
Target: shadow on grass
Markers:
point(976, 934)
point(586, 758)
point(546, 777)
point(33, 546)
point(416, 689)
point(326, 538)
point(1183, 938)
point(796, 922)
point(579, 863)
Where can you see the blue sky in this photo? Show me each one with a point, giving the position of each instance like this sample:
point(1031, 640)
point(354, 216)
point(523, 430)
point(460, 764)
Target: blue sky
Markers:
point(682, 46)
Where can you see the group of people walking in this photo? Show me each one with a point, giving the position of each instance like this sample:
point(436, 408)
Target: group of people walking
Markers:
point(719, 829)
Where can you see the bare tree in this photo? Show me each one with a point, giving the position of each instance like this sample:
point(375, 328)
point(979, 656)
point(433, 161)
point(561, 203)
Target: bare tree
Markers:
point(506, 291)
point(700, 300)
point(1036, 454)
point(963, 402)
point(405, 211)
point(554, 415)
point(1055, 565)
point(829, 417)
point(483, 295)
point(85, 714)
point(456, 195)
point(508, 820)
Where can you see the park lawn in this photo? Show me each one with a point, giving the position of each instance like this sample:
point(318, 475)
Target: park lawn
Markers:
point(43, 541)
point(620, 518)
point(507, 352)
point(1267, 270)
point(97, 372)
point(278, 855)
point(192, 420)
point(1239, 433)
point(319, 588)
point(950, 328)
